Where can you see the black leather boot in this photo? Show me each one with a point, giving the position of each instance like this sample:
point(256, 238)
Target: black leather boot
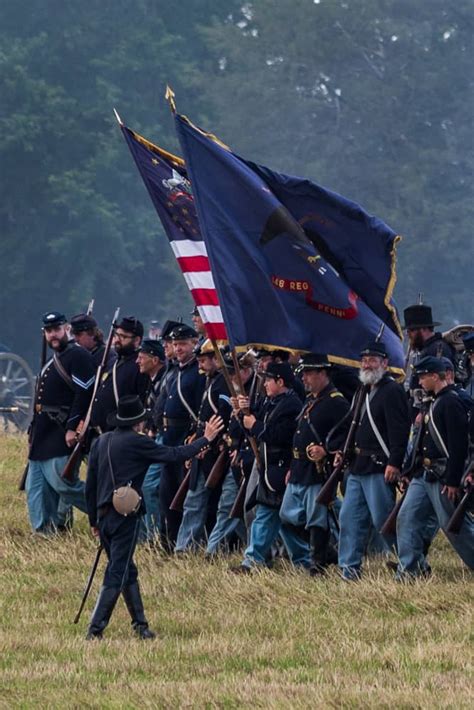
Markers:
point(102, 612)
point(133, 600)
point(318, 540)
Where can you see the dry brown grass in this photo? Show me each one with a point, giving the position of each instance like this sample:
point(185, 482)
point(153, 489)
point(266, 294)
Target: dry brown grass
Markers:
point(275, 640)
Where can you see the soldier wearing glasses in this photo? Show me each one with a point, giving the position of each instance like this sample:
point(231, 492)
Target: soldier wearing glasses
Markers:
point(124, 378)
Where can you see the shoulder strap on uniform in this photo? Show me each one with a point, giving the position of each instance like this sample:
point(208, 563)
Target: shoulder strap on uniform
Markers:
point(434, 431)
point(114, 382)
point(375, 429)
point(62, 372)
point(183, 401)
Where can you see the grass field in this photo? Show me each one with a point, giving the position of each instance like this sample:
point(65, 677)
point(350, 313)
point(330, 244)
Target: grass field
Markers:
point(277, 639)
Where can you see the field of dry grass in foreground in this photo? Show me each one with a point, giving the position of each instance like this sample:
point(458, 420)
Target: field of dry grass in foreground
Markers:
point(274, 640)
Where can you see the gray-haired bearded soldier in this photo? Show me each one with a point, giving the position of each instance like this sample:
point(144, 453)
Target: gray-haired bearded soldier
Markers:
point(62, 397)
point(380, 445)
point(434, 490)
point(117, 466)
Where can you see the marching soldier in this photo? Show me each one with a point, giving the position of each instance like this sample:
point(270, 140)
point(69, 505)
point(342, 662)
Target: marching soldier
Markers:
point(117, 465)
point(380, 444)
point(179, 420)
point(151, 362)
point(200, 505)
point(124, 377)
point(324, 409)
point(86, 333)
point(273, 426)
point(62, 398)
point(435, 487)
point(241, 459)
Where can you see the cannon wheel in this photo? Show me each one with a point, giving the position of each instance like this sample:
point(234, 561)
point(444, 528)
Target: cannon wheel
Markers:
point(17, 387)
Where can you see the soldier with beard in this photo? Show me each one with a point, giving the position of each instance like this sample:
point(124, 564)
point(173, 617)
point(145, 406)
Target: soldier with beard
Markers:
point(63, 392)
point(380, 444)
point(124, 378)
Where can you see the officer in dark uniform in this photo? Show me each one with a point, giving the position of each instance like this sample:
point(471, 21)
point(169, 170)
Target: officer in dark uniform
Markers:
point(124, 377)
point(180, 417)
point(267, 356)
point(121, 458)
point(435, 487)
point(423, 340)
point(323, 411)
point(273, 426)
point(63, 393)
point(170, 373)
point(86, 333)
point(151, 362)
point(380, 445)
point(200, 505)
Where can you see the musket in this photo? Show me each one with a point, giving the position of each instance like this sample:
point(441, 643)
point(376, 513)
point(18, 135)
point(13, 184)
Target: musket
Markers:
point(237, 510)
point(456, 520)
point(390, 525)
point(328, 490)
point(178, 501)
point(76, 455)
point(90, 307)
point(219, 469)
point(89, 583)
point(44, 349)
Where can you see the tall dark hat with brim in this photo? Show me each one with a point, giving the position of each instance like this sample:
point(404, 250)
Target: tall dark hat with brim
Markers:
point(376, 348)
point(53, 318)
point(419, 316)
point(130, 411)
point(313, 361)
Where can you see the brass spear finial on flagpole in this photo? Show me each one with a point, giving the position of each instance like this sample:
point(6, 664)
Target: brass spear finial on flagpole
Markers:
point(420, 298)
point(169, 96)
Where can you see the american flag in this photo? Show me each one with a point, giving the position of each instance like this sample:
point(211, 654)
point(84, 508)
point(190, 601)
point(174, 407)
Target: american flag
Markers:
point(166, 179)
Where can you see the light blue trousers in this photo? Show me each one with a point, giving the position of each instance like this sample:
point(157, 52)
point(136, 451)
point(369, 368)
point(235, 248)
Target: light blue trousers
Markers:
point(150, 522)
point(45, 487)
point(368, 500)
point(423, 500)
point(225, 526)
point(264, 531)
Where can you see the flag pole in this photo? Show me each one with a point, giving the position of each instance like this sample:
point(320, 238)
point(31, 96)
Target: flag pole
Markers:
point(170, 96)
point(224, 369)
point(119, 120)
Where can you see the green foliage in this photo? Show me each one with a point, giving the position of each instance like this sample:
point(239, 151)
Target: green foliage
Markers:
point(370, 98)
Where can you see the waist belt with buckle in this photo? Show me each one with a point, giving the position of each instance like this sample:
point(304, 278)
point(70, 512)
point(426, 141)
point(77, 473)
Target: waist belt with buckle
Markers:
point(170, 422)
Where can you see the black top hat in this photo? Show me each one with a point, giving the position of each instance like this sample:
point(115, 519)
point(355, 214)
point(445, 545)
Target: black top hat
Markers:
point(278, 370)
point(418, 316)
point(183, 332)
point(429, 364)
point(168, 327)
point(468, 340)
point(130, 324)
point(152, 347)
point(53, 318)
point(82, 322)
point(374, 347)
point(130, 411)
point(314, 361)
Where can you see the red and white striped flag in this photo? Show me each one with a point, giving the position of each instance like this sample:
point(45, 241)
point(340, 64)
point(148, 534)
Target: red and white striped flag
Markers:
point(167, 182)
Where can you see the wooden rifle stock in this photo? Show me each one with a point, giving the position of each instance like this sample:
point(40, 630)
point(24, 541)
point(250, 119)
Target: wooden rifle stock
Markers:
point(456, 520)
point(237, 510)
point(328, 490)
point(76, 455)
point(390, 525)
point(218, 470)
point(178, 501)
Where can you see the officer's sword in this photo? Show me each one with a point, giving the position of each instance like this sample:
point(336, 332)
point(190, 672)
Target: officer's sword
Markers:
point(89, 583)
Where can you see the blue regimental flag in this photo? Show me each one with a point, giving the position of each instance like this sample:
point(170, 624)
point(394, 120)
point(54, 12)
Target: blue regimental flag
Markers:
point(295, 266)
